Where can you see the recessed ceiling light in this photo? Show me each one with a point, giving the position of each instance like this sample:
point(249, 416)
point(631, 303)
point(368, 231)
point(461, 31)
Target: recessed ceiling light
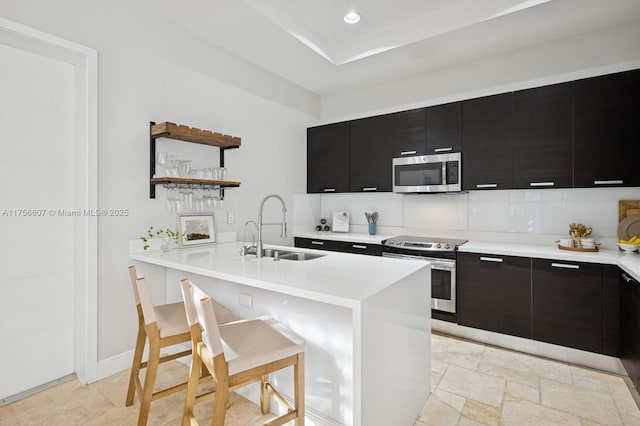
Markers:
point(352, 17)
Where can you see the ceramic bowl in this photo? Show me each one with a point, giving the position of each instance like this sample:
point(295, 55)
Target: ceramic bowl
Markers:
point(587, 243)
point(628, 248)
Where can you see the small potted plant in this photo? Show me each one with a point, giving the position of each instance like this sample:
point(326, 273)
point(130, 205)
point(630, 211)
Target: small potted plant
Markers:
point(169, 237)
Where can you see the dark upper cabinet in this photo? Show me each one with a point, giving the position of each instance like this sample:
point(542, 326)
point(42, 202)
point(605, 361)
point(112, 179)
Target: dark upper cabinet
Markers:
point(409, 133)
point(328, 158)
point(370, 154)
point(543, 137)
point(567, 303)
point(486, 141)
point(494, 293)
point(607, 130)
point(444, 128)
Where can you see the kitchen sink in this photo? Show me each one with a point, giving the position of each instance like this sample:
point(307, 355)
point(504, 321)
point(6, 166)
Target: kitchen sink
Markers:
point(300, 256)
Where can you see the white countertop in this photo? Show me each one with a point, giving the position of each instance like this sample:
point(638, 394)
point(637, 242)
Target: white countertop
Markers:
point(629, 262)
point(336, 278)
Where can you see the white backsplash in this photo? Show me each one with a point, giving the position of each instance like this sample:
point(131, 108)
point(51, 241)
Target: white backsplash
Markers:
point(526, 213)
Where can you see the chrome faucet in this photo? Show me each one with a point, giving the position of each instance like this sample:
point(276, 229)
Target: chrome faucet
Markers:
point(259, 249)
point(246, 248)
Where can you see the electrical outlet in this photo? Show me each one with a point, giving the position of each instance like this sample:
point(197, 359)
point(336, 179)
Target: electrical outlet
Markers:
point(231, 218)
point(246, 300)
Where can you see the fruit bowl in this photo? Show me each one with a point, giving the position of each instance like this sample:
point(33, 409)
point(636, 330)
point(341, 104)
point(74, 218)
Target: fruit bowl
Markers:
point(628, 248)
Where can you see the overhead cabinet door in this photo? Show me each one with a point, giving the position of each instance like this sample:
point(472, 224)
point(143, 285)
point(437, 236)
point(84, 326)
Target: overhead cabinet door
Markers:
point(486, 141)
point(328, 158)
point(409, 128)
point(371, 152)
point(444, 128)
point(542, 137)
point(607, 130)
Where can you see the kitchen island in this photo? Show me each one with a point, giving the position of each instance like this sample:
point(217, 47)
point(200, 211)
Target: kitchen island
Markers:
point(365, 319)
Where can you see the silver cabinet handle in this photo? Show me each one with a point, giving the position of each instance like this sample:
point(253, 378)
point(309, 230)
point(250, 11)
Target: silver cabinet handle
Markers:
point(542, 184)
point(370, 188)
point(608, 182)
point(491, 259)
point(487, 185)
point(626, 277)
point(318, 243)
point(408, 152)
point(443, 149)
point(358, 246)
point(565, 266)
point(329, 190)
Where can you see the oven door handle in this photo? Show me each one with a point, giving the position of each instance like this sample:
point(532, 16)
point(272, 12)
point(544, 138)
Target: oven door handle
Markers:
point(436, 263)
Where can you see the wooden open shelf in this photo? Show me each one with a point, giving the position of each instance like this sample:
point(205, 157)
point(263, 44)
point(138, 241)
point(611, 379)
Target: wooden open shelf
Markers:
point(191, 181)
point(192, 134)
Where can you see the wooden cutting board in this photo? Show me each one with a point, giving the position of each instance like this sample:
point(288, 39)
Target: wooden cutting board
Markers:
point(628, 208)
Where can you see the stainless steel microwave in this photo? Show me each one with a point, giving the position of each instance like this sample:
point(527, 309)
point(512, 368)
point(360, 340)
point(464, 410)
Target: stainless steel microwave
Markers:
point(428, 173)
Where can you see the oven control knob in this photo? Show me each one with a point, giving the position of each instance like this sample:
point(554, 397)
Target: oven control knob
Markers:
point(438, 245)
point(447, 246)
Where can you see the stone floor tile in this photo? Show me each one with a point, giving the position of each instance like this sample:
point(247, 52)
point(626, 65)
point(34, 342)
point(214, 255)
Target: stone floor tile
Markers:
point(438, 366)
point(464, 421)
point(587, 422)
point(526, 413)
point(544, 368)
point(516, 391)
point(7, 418)
point(482, 413)
point(452, 399)
point(625, 402)
point(629, 420)
point(590, 405)
point(458, 352)
point(435, 380)
point(511, 374)
point(438, 413)
point(473, 385)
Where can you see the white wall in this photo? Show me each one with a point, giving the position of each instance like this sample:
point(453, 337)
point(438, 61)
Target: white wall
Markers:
point(149, 71)
point(598, 52)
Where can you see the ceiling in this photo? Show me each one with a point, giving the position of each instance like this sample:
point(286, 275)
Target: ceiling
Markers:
point(308, 43)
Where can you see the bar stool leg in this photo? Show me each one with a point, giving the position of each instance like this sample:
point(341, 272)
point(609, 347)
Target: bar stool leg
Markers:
point(135, 366)
point(298, 393)
point(264, 395)
point(149, 381)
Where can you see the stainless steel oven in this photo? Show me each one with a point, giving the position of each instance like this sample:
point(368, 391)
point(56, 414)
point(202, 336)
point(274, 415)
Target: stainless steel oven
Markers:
point(442, 255)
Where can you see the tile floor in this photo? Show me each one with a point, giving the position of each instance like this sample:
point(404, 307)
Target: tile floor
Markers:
point(472, 384)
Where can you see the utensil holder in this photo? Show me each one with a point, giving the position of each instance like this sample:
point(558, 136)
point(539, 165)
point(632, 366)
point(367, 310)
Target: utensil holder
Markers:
point(372, 229)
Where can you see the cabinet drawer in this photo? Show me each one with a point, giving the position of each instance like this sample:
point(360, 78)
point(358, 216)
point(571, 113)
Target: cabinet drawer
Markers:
point(317, 244)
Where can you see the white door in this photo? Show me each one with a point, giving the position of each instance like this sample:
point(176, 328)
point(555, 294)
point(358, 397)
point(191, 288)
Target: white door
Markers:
point(37, 124)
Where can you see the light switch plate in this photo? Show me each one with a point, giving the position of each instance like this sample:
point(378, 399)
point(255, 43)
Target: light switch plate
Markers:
point(246, 300)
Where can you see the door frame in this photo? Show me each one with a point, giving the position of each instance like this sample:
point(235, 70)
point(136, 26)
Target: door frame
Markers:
point(85, 61)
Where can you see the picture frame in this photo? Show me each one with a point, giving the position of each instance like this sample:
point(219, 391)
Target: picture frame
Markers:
point(196, 229)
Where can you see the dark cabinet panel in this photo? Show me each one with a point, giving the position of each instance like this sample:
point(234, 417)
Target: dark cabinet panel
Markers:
point(328, 158)
point(317, 244)
point(340, 246)
point(409, 133)
point(370, 154)
point(494, 293)
point(607, 125)
point(629, 326)
point(611, 310)
point(567, 303)
point(444, 128)
point(543, 137)
point(486, 142)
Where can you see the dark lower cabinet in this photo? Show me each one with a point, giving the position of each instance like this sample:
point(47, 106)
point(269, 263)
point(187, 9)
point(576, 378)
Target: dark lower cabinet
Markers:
point(567, 303)
point(317, 244)
point(611, 310)
point(494, 293)
point(328, 158)
point(630, 326)
point(340, 246)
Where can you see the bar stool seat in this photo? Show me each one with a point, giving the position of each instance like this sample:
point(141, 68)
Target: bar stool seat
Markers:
point(240, 353)
point(163, 326)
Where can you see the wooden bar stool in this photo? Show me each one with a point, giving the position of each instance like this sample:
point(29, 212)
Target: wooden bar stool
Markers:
point(164, 325)
point(237, 354)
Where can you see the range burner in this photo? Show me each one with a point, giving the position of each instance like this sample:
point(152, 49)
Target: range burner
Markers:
point(423, 243)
